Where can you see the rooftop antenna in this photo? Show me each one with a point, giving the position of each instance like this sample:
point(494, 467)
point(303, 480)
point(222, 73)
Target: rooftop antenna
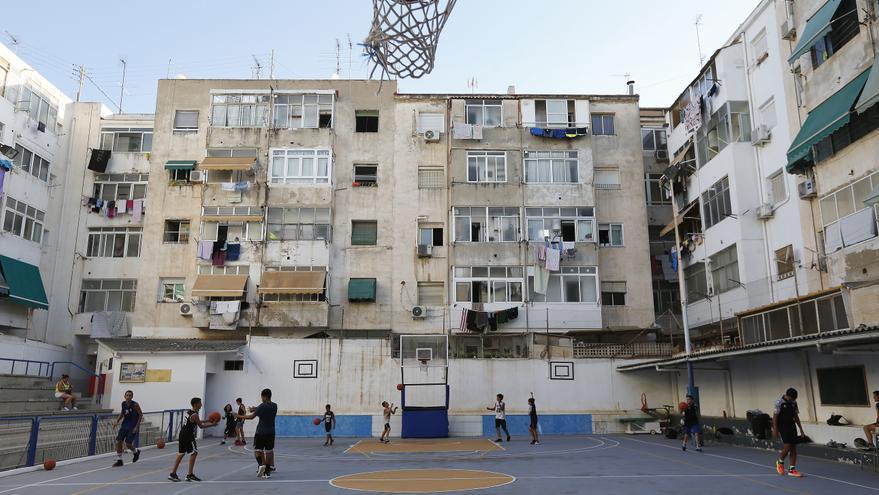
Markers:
point(473, 84)
point(627, 77)
point(272, 65)
point(699, 39)
point(336, 74)
point(350, 51)
point(168, 72)
point(257, 66)
point(15, 41)
point(122, 88)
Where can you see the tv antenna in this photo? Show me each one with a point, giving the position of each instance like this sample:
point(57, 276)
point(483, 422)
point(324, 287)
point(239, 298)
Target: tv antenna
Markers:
point(626, 77)
point(350, 51)
point(338, 72)
point(699, 39)
point(472, 84)
point(122, 88)
point(257, 66)
point(15, 41)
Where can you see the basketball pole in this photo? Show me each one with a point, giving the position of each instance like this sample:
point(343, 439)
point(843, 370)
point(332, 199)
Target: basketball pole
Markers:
point(682, 287)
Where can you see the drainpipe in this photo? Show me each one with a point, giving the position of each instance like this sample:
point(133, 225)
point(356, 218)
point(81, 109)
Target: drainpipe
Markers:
point(691, 382)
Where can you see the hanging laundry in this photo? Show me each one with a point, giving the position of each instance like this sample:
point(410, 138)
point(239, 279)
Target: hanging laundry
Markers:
point(462, 325)
point(673, 258)
point(218, 258)
point(481, 320)
point(228, 186)
point(460, 130)
point(120, 206)
point(111, 209)
point(129, 205)
point(502, 317)
point(233, 252)
point(541, 253)
point(513, 313)
point(492, 322)
point(553, 256)
point(242, 186)
point(541, 279)
point(472, 317)
point(477, 132)
point(99, 160)
point(205, 250)
point(137, 210)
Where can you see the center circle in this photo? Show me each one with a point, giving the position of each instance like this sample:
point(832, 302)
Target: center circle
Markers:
point(421, 480)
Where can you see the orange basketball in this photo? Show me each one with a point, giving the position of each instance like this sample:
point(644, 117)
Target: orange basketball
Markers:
point(215, 417)
point(49, 464)
point(400, 387)
point(316, 421)
point(683, 406)
point(160, 444)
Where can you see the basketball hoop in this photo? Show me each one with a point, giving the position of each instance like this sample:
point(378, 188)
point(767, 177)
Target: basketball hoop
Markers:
point(404, 34)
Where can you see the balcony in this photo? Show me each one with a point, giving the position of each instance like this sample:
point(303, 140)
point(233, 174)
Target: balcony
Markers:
point(294, 314)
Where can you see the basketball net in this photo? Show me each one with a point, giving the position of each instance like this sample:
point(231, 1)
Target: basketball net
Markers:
point(404, 34)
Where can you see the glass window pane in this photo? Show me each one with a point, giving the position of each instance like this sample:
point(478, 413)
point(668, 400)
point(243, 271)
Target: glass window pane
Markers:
point(845, 202)
point(588, 292)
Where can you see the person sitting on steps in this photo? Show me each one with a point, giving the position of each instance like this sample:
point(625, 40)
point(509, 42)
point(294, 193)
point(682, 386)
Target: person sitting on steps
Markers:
point(64, 391)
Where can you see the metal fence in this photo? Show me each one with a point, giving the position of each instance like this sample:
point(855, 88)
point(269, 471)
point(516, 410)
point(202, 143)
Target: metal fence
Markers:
point(643, 350)
point(32, 440)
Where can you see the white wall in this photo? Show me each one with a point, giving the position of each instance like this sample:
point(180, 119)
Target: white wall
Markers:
point(16, 348)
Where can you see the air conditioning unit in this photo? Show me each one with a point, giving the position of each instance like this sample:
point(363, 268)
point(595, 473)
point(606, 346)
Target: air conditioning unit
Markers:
point(761, 135)
point(196, 176)
point(807, 189)
point(419, 312)
point(661, 155)
point(425, 250)
point(431, 135)
point(186, 309)
point(765, 211)
point(788, 29)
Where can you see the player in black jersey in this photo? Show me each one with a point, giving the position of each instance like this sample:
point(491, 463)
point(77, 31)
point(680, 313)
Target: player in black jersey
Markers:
point(186, 439)
point(329, 421)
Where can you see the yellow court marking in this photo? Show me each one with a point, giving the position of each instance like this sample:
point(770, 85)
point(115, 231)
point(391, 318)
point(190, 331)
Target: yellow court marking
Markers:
point(422, 480)
point(424, 445)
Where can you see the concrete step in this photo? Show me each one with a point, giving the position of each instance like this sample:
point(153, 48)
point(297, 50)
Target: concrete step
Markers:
point(36, 407)
point(19, 393)
point(24, 380)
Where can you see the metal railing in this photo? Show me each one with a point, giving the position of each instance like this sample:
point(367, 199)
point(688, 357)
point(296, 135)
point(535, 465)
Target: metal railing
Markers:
point(31, 440)
point(583, 350)
point(29, 366)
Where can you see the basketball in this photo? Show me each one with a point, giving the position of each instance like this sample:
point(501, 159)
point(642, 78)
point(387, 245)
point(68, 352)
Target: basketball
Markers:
point(682, 406)
point(160, 444)
point(215, 417)
point(49, 464)
point(400, 387)
point(316, 421)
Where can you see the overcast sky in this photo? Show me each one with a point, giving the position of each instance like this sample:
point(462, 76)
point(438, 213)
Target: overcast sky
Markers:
point(549, 46)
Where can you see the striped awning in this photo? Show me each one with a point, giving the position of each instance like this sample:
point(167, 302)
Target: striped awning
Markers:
point(226, 163)
point(219, 286)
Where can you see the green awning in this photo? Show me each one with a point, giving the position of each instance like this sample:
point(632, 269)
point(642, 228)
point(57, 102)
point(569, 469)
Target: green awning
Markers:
point(870, 95)
point(817, 26)
point(361, 290)
point(25, 284)
point(824, 119)
point(180, 164)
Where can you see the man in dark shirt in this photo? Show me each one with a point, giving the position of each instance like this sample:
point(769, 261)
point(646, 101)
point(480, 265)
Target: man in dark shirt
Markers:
point(691, 424)
point(785, 422)
point(131, 416)
point(871, 429)
point(186, 439)
point(264, 438)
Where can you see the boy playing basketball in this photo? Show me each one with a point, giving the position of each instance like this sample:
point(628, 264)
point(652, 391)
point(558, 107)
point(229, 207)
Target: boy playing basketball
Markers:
point(532, 427)
point(230, 430)
point(785, 422)
point(239, 423)
point(388, 410)
point(691, 424)
point(329, 421)
point(186, 440)
point(131, 416)
point(500, 417)
point(264, 437)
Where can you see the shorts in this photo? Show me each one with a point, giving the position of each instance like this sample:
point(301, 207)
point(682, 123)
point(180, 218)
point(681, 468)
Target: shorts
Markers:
point(533, 424)
point(239, 423)
point(788, 434)
point(126, 435)
point(230, 430)
point(58, 395)
point(187, 445)
point(328, 426)
point(264, 441)
point(387, 426)
point(692, 429)
point(500, 423)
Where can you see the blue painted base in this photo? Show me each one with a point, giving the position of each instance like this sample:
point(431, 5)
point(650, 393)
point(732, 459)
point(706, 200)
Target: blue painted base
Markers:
point(303, 426)
point(550, 424)
point(425, 423)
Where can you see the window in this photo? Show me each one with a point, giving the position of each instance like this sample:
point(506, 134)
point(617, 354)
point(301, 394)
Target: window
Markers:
point(653, 139)
point(610, 234)
point(607, 178)
point(613, 293)
point(784, 262)
point(431, 178)
point(656, 193)
point(365, 175)
point(843, 28)
point(574, 284)
point(366, 121)
point(559, 167)
point(227, 230)
point(300, 166)
point(776, 187)
point(716, 203)
point(697, 284)
point(31, 163)
point(431, 293)
point(486, 166)
point(431, 121)
point(486, 224)
point(731, 123)
point(860, 125)
point(107, 295)
point(176, 232)
point(569, 224)
point(303, 111)
point(488, 284)
point(117, 187)
point(602, 124)
point(298, 224)
point(725, 270)
point(239, 110)
point(760, 47)
point(177, 177)
point(224, 270)
point(236, 365)
point(364, 233)
point(804, 317)
point(186, 120)
point(127, 140)
point(39, 109)
point(554, 113)
point(114, 242)
point(768, 116)
point(430, 236)
point(843, 386)
point(171, 290)
point(486, 113)
point(23, 220)
point(845, 217)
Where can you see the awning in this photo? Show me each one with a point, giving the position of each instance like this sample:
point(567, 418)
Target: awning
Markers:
point(292, 282)
point(232, 218)
point(817, 26)
point(225, 163)
point(219, 286)
point(681, 217)
point(870, 95)
point(679, 157)
point(361, 290)
point(824, 119)
point(180, 164)
point(25, 283)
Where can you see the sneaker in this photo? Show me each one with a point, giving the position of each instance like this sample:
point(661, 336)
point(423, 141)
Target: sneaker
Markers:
point(75, 408)
point(136, 455)
point(331, 441)
point(192, 477)
point(326, 443)
point(223, 442)
point(266, 476)
point(533, 442)
point(498, 440)
point(118, 463)
point(779, 467)
point(698, 449)
point(537, 442)
point(66, 408)
point(261, 472)
point(508, 438)
point(684, 447)
point(173, 477)
point(792, 471)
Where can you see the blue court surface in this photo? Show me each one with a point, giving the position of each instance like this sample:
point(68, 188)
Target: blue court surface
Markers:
point(610, 464)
